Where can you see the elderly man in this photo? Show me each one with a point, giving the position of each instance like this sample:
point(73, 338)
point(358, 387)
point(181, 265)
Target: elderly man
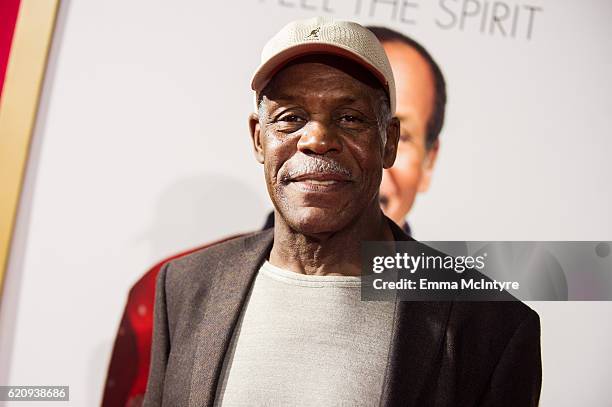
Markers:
point(421, 97)
point(276, 317)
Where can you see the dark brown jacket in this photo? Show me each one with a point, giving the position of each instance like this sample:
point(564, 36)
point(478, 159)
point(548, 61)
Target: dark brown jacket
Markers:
point(442, 353)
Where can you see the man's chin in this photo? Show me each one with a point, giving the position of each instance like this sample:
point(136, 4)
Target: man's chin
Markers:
point(316, 221)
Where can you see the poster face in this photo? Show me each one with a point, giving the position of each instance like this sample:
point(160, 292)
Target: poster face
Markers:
point(142, 151)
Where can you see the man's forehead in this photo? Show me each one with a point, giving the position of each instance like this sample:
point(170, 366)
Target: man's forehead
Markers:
point(317, 76)
point(291, 87)
point(293, 92)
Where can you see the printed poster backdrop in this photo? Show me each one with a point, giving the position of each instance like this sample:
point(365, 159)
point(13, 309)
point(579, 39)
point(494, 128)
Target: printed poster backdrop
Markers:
point(141, 150)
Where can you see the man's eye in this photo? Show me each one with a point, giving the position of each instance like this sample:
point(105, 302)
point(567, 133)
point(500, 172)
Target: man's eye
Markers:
point(347, 118)
point(291, 118)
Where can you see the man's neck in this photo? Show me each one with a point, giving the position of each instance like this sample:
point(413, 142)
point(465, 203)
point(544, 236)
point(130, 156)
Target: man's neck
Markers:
point(334, 253)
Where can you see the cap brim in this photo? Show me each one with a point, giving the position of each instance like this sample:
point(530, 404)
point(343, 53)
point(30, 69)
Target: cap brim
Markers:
point(267, 70)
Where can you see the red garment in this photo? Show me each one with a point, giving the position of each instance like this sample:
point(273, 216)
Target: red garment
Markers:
point(128, 372)
point(9, 10)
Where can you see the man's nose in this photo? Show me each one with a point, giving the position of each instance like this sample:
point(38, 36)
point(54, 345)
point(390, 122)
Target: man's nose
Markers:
point(318, 138)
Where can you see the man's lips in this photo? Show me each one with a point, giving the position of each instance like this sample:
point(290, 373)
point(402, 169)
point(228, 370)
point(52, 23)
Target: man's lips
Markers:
point(319, 182)
point(320, 177)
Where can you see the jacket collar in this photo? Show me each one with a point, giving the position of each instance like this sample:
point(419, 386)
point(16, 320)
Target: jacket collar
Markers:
point(227, 295)
point(416, 344)
point(418, 329)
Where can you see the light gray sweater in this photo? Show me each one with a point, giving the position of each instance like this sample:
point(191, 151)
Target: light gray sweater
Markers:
point(306, 341)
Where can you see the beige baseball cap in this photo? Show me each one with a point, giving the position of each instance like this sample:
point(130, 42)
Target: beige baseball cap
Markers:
point(325, 35)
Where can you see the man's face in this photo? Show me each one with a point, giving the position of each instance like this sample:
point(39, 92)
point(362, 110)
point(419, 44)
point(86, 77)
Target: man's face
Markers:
point(318, 136)
point(413, 166)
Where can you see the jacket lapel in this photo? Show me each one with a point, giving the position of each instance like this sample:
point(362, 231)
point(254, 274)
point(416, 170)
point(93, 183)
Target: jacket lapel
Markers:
point(416, 340)
point(229, 289)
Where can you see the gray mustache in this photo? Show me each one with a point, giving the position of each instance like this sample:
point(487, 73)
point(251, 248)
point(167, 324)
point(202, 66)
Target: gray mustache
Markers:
point(314, 165)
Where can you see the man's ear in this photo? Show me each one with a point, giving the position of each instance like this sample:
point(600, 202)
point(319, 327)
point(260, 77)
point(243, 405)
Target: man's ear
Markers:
point(390, 148)
point(429, 162)
point(255, 129)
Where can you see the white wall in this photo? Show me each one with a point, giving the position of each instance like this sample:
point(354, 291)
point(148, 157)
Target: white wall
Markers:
point(141, 150)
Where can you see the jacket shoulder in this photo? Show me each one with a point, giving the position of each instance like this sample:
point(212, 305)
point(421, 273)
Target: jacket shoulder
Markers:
point(189, 281)
point(192, 275)
point(206, 261)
